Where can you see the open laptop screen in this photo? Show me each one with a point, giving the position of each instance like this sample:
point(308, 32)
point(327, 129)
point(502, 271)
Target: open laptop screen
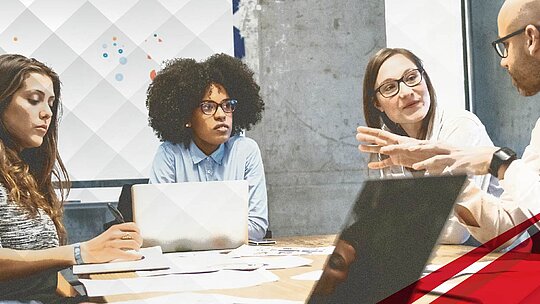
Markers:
point(192, 215)
point(387, 240)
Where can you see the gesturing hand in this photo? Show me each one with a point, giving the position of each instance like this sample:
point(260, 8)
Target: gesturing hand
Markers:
point(470, 160)
point(112, 244)
point(376, 139)
point(411, 153)
point(374, 136)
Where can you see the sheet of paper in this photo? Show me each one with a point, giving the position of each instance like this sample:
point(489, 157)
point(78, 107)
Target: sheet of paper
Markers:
point(308, 276)
point(225, 279)
point(204, 263)
point(153, 259)
point(278, 262)
point(245, 250)
point(199, 253)
point(198, 298)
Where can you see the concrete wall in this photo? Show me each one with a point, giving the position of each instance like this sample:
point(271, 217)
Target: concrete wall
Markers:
point(508, 116)
point(311, 59)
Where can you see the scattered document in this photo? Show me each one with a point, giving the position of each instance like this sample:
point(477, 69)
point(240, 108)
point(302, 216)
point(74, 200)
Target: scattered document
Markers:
point(225, 279)
point(153, 259)
point(245, 251)
point(208, 253)
point(180, 264)
point(308, 276)
point(279, 262)
point(198, 298)
point(205, 263)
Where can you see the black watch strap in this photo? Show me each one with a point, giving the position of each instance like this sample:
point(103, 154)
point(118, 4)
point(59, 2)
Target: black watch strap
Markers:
point(502, 156)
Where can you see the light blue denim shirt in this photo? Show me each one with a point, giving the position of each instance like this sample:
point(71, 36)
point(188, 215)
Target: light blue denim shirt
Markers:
point(237, 159)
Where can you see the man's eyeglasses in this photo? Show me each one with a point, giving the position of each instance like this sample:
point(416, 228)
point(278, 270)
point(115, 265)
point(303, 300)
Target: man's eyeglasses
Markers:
point(209, 107)
point(501, 47)
point(391, 88)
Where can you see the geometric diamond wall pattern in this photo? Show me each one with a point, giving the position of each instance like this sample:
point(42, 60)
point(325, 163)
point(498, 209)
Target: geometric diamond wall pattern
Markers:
point(106, 53)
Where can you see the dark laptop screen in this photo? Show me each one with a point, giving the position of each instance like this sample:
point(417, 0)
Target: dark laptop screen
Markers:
point(387, 240)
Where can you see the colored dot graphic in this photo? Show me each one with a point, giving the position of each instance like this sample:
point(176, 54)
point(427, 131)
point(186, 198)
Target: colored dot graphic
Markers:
point(122, 60)
point(15, 39)
point(105, 55)
point(120, 51)
point(152, 74)
point(119, 77)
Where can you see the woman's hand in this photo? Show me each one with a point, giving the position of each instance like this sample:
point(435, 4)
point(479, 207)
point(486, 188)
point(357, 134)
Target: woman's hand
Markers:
point(379, 137)
point(113, 244)
point(374, 139)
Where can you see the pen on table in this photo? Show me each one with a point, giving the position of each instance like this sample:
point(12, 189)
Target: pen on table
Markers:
point(117, 215)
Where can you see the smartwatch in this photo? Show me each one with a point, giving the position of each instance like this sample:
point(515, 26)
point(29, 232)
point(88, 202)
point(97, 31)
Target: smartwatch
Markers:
point(501, 157)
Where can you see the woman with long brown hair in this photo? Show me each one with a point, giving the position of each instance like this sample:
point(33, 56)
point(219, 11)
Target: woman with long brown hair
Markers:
point(400, 105)
point(32, 235)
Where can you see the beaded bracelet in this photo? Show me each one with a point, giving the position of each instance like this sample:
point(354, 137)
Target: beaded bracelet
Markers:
point(77, 253)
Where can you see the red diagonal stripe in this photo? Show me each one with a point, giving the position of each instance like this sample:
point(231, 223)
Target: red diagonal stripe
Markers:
point(434, 279)
point(510, 279)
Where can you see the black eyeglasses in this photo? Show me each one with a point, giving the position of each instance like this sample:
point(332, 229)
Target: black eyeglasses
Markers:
point(209, 107)
point(391, 88)
point(501, 47)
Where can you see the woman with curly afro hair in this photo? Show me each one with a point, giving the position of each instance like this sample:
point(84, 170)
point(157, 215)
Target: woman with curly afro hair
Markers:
point(191, 106)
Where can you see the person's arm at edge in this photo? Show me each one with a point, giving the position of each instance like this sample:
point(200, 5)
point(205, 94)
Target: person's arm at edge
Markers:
point(258, 199)
point(21, 263)
point(462, 128)
point(103, 248)
point(487, 217)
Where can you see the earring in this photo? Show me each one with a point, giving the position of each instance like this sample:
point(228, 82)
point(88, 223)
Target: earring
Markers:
point(188, 125)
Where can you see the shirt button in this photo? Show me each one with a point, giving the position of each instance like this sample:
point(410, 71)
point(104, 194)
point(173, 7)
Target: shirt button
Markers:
point(208, 171)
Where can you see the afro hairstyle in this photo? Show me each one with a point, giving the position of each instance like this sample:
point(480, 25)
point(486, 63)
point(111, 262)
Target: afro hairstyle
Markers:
point(180, 86)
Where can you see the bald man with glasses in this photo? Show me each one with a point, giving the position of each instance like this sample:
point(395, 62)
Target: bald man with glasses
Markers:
point(485, 216)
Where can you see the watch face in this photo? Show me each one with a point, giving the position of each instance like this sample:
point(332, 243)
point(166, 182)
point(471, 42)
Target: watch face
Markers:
point(501, 156)
point(505, 154)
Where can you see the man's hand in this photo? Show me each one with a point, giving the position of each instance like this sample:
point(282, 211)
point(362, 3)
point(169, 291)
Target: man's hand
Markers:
point(437, 158)
point(409, 154)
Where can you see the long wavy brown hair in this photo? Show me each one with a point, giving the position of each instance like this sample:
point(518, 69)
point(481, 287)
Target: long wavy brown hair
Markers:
point(28, 175)
point(373, 116)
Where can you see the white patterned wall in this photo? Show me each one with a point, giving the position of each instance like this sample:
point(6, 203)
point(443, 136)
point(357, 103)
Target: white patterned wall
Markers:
point(106, 53)
point(432, 30)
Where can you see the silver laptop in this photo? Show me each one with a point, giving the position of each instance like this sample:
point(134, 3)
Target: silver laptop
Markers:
point(192, 215)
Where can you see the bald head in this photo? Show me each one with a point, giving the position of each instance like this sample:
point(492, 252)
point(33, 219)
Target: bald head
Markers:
point(515, 14)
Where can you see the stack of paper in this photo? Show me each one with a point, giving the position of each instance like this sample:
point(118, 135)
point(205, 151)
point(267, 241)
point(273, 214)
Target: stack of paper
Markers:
point(245, 251)
point(205, 263)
